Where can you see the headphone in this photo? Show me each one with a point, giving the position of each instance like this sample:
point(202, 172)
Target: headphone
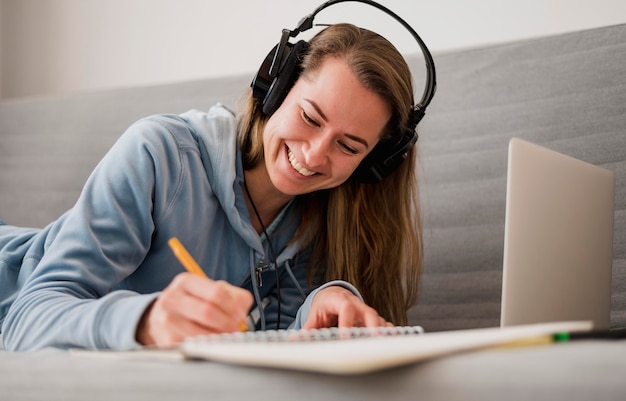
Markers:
point(281, 69)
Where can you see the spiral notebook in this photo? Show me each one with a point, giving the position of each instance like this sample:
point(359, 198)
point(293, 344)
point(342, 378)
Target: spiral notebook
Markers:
point(356, 350)
point(342, 351)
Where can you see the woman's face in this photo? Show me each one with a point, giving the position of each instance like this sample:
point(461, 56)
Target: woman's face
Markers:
point(324, 128)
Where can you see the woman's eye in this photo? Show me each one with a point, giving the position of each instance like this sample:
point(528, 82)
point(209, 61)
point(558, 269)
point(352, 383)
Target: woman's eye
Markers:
point(309, 120)
point(348, 148)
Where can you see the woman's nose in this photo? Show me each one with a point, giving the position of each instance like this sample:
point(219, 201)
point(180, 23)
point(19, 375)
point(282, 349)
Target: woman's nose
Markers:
point(317, 150)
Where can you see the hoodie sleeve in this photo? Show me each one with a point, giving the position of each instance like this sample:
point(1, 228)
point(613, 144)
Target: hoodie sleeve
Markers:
point(69, 300)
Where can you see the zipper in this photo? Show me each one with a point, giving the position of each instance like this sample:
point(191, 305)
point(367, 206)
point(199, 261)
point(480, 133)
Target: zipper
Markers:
point(258, 272)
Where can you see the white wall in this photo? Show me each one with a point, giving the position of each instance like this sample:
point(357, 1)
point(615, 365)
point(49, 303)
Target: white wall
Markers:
point(60, 46)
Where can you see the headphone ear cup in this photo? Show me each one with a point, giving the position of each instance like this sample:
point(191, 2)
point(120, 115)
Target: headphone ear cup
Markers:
point(388, 155)
point(273, 90)
point(263, 80)
point(385, 158)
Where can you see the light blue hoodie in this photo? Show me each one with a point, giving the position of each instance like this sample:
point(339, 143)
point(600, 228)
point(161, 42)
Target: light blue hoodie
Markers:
point(86, 279)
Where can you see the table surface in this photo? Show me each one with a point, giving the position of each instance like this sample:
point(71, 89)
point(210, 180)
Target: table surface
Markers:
point(582, 370)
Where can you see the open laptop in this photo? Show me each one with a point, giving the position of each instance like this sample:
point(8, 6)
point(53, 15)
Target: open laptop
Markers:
point(558, 242)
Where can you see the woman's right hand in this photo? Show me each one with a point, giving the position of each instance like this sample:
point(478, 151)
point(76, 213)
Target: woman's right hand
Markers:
point(191, 306)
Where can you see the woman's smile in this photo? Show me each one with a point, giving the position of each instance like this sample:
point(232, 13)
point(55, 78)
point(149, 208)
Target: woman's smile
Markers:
point(296, 165)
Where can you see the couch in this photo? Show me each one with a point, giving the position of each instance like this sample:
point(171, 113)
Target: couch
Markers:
point(566, 92)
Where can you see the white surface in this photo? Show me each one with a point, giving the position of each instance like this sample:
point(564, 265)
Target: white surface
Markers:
point(57, 46)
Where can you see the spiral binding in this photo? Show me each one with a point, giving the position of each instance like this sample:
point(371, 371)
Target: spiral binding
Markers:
point(325, 334)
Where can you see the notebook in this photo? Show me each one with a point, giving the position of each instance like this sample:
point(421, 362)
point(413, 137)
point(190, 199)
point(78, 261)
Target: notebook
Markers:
point(558, 243)
point(358, 351)
point(346, 351)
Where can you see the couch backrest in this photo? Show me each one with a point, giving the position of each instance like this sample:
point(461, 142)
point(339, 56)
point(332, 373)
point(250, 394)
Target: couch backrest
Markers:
point(50, 145)
point(566, 92)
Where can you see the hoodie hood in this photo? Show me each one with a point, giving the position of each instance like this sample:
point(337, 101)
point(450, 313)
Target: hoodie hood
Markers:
point(216, 133)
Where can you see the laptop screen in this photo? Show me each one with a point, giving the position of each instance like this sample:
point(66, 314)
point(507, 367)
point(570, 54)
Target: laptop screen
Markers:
point(558, 244)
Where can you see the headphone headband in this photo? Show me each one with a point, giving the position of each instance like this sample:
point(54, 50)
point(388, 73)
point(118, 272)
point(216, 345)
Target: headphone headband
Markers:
point(306, 23)
point(281, 69)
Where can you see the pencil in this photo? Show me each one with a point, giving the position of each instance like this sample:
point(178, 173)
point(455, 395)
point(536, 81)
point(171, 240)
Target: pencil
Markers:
point(185, 258)
point(191, 265)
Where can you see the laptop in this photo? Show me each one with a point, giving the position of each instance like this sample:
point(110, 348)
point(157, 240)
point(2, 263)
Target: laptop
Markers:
point(558, 242)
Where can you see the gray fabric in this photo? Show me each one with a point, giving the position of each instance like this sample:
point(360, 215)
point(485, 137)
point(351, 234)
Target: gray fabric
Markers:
point(571, 372)
point(49, 145)
point(566, 92)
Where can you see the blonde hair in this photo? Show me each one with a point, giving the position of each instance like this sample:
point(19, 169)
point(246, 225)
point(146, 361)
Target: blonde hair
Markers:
point(366, 234)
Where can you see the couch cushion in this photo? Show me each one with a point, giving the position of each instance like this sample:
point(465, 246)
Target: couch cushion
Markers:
point(50, 145)
point(566, 92)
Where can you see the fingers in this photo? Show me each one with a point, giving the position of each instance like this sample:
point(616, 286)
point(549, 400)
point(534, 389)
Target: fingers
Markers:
point(214, 304)
point(336, 306)
point(191, 306)
point(358, 314)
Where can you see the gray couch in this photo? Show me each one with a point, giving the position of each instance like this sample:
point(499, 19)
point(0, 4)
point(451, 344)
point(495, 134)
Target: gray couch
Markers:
point(566, 92)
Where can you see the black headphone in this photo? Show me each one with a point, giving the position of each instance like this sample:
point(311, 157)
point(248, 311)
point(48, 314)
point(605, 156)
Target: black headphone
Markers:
point(281, 69)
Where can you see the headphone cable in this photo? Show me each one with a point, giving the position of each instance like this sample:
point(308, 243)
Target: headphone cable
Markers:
point(272, 252)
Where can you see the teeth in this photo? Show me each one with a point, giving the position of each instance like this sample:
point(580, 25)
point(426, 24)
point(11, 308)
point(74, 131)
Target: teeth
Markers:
point(297, 166)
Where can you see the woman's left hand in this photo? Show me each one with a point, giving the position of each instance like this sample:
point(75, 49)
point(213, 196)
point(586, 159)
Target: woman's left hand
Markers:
point(336, 306)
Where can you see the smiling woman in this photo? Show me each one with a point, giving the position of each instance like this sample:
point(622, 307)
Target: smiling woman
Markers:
point(354, 91)
point(301, 209)
point(327, 124)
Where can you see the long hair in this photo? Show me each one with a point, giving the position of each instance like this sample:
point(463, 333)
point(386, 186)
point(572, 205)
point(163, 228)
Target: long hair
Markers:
point(366, 234)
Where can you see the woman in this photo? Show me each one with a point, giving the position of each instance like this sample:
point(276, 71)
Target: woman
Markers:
point(267, 205)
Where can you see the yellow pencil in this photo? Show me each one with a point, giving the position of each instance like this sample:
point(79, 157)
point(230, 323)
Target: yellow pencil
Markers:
point(190, 264)
point(185, 258)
